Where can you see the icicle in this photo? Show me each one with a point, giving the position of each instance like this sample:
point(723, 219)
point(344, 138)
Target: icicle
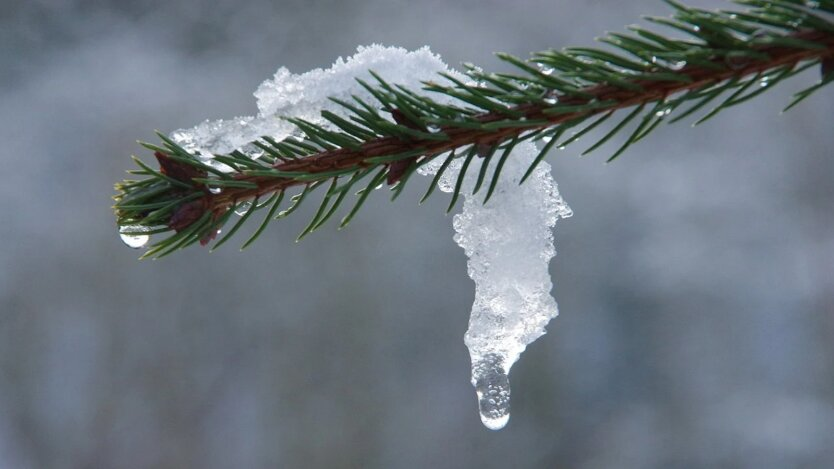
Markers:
point(509, 243)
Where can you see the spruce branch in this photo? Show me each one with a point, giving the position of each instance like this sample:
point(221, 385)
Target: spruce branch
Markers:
point(728, 58)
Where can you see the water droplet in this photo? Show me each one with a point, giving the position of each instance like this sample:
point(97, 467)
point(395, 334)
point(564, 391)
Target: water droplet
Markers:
point(131, 236)
point(562, 147)
point(551, 100)
point(433, 129)
point(215, 190)
point(663, 112)
point(242, 208)
point(547, 70)
point(764, 82)
point(492, 384)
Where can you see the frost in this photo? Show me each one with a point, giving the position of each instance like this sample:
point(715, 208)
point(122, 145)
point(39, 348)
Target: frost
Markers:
point(509, 240)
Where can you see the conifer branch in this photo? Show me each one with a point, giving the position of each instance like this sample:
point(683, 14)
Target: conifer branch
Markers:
point(740, 54)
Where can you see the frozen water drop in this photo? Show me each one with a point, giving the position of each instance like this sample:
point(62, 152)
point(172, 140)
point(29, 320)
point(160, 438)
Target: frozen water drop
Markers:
point(492, 384)
point(215, 190)
point(551, 100)
point(132, 237)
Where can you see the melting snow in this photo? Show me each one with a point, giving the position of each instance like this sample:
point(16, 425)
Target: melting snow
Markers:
point(509, 240)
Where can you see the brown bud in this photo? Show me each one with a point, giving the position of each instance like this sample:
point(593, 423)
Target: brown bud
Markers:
point(177, 170)
point(215, 227)
point(186, 214)
point(401, 119)
point(397, 168)
point(484, 149)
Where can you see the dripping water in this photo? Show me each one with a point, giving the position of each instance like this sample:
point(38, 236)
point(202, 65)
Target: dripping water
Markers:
point(132, 236)
point(492, 384)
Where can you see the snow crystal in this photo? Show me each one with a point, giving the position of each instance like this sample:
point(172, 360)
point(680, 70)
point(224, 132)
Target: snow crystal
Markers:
point(508, 240)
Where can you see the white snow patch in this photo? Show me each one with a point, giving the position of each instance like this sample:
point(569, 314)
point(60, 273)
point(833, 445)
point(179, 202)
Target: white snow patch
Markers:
point(306, 95)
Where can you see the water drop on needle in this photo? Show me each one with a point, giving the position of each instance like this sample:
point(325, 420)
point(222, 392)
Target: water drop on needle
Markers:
point(243, 208)
point(663, 112)
point(215, 190)
point(131, 238)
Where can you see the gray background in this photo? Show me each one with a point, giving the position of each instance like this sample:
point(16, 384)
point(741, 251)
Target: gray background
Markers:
point(695, 281)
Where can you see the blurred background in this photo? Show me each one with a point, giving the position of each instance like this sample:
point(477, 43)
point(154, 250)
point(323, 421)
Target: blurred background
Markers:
point(695, 281)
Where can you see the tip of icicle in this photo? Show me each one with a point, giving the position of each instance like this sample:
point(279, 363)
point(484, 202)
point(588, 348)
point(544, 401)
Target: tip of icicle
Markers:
point(495, 423)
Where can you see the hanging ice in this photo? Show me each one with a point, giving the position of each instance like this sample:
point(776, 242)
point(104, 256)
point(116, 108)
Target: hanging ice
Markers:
point(509, 240)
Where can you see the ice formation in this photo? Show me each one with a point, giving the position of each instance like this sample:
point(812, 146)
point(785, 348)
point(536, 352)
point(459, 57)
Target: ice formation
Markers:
point(509, 240)
point(509, 243)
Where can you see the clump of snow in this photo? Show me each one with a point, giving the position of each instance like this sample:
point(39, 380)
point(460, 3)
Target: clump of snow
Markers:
point(509, 240)
point(305, 95)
